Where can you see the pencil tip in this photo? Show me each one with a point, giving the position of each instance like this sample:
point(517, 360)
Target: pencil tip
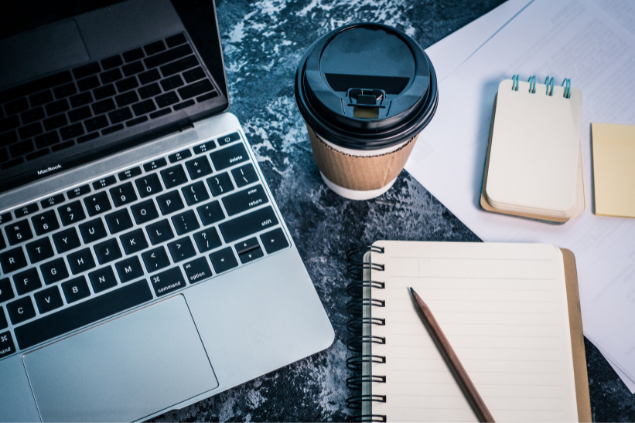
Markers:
point(412, 291)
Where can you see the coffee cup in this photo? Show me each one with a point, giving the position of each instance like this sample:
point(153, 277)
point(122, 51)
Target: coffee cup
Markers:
point(365, 91)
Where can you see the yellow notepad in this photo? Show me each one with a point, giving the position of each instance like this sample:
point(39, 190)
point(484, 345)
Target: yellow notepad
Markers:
point(614, 169)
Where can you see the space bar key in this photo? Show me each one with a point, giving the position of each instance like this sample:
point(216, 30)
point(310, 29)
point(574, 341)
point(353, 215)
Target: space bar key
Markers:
point(88, 312)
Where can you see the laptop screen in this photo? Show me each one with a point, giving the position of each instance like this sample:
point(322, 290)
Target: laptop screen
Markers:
point(81, 80)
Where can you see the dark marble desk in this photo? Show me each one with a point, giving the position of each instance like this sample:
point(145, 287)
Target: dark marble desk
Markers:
point(263, 41)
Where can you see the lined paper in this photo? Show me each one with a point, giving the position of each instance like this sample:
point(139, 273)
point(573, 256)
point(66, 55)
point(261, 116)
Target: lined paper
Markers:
point(503, 307)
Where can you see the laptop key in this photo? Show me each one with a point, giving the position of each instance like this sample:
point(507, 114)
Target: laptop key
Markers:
point(210, 213)
point(92, 230)
point(194, 74)
point(178, 156)
point(71, 131)
point(107, 251)
point(155, 259)
point(79, 114)
point(134, 241)
point(229, 156)
point(120, 115)
point(155, 47)
point(16, 106)
point(144, 107)
point(48, 299)
point(198, 167)
point(149, 76)
point(40, 98)
point(31, 130)
point(104, 182)
point(170, 202)
point(52, 201)
point(171, 83)
point(185, 222)
point(175, 40)
point(75, 289)
point(27, 281)
point(167, 99)
point(65, 90)
point(86, 70)
point(133, 68)
point(88, 83)
point(125, 193)
point(148, 185)
point(197, 270)
point(65, 240)
point(81, 261)
point(167, 281)
point(57, 107)
point(245, 200)
point(18, 232)
point(126, 85)
point(220, 184)
point(77, 192)
point(195, 193)
point(55, 122)
point(195, 89)
point(129, 269)
point(54, 271)
point(149, 167)
point(3, 325)
point(118, 221)
point(72, 212)
point(81, 99)
point(32, 115)
point(248, 224)
point(103, 106)
point(181, 249)
point(102, 279)
point(45, 222)
point(168, 56)
point(6, 344)
point(105, 91)
point(179, 65)
point(244, 175)
point(132, 55)
point(130, 173)
point(21, 310)
point(39, 250)
point(160, 113)
point(159, 232)
point(207, 240)
point(26, 210)
point(93, 124)
point(251, 255)
point(228, 139)
point(223, 260)
point(173, 176)
point(110, 76)
point(97, 203)
point(12, 260)
point(144, 212)
point(204, 148)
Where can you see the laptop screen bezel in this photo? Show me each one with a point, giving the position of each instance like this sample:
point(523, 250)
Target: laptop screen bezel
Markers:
point(201, 24)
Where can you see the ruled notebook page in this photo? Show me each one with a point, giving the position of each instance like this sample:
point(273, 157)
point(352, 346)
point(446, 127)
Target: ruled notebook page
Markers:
point(503, 308)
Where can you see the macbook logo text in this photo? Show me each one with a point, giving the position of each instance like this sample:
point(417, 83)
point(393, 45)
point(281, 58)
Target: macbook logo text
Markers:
point(48, 169)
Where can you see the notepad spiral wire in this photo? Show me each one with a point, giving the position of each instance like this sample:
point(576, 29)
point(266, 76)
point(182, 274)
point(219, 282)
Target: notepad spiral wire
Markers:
point(359, 309)
point(566, 83)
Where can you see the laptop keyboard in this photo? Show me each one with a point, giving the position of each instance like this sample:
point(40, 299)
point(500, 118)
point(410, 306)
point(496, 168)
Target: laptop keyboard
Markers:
point(130, 237)
point(97, 99)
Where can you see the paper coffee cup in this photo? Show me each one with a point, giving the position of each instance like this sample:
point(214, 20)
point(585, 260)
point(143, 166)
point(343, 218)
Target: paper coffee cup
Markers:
point(365, 91)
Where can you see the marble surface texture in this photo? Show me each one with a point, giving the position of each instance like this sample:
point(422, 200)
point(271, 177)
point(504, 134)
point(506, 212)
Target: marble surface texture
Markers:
point(263, 41)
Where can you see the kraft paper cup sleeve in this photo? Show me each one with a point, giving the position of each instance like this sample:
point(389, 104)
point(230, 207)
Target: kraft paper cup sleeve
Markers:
point(359, 173)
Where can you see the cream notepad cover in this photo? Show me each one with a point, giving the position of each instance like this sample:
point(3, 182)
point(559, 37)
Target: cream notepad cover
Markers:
point(614, 169)
point(504, 309)
point(534, 156)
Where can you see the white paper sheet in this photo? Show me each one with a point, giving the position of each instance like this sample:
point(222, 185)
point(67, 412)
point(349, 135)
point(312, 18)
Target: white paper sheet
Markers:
point(449, 53)
point(563, 39)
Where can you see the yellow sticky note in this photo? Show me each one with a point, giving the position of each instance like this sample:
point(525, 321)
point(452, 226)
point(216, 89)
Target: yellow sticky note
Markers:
point(614, 169)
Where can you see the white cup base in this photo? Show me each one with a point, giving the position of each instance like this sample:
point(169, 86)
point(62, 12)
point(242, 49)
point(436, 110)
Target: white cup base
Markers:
point(356, 195)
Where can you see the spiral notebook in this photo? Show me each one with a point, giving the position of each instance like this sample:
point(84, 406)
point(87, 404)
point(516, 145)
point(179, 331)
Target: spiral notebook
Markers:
point(534, 161)
point(510, 311)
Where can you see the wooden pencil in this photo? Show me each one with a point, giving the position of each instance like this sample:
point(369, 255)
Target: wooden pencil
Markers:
point(451, 358)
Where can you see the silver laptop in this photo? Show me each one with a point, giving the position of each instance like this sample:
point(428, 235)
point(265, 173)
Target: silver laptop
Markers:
point(144, 263)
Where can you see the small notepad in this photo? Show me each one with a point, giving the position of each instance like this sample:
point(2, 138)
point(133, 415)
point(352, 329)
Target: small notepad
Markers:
point(534, 159)
point(505, 311)
point(614, 169)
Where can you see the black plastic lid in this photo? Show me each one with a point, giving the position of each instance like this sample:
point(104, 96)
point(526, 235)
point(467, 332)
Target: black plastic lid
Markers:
point(366, 86)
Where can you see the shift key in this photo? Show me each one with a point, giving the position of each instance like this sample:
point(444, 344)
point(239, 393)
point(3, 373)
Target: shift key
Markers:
point(248, 224)
point(229, 156)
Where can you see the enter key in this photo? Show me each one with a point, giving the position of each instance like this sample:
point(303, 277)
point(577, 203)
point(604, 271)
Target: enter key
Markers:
point(246, 199)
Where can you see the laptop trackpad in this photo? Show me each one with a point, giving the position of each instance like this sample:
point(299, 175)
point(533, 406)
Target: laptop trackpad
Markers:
point(123, 370)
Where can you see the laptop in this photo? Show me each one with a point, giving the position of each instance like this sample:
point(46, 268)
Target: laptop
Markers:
point(144, 263)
